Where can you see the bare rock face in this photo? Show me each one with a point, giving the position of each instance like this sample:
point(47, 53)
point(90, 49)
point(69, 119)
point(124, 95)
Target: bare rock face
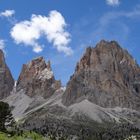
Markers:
point(36, 78)
point(106, 75)
point(6, 79)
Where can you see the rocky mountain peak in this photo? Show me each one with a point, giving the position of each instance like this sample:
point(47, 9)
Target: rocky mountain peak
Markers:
point(6, 79)
point(37, 78)
point(102, 53)
point(36, 66)
point(106, 75)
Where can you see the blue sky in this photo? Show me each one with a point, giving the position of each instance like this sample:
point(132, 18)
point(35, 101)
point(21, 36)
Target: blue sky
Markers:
point(26, 31)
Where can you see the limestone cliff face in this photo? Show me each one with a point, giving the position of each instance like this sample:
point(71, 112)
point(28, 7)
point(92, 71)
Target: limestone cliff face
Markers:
point(36, 78)
point(6, 79)
point(106, 75)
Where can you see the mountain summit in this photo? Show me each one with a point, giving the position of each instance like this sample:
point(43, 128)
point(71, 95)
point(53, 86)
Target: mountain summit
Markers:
point(36, 78)
point(106, 75)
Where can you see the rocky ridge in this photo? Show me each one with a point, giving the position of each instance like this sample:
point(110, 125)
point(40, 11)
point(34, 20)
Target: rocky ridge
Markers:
point(106, 75)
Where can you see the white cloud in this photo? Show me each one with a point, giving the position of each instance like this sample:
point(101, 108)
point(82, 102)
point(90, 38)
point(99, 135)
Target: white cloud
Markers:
point(113, 2)
point(52, 27)
point(37, 48)
point(7, 13)
point(2, 44)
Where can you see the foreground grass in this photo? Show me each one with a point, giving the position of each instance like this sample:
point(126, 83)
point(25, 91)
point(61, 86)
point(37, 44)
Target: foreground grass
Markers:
point(24, 136)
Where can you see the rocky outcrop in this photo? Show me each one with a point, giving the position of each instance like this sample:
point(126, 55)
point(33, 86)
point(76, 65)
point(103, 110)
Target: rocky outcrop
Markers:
point(36, 78)
point(106, 75)
point(6, 79)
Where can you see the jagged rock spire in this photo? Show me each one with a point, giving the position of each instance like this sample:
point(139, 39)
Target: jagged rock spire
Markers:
point(36, 78)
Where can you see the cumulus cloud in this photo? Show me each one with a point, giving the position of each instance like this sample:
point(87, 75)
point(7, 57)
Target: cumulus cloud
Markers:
point(29, 32)
point(113, 2)
point(7, 13)
point(2, 44)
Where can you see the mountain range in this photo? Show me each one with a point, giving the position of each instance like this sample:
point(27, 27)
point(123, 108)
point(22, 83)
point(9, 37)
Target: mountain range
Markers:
point(103, 93)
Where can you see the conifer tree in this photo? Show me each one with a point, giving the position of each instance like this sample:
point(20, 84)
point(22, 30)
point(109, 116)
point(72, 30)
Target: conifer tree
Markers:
point(6, 118)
